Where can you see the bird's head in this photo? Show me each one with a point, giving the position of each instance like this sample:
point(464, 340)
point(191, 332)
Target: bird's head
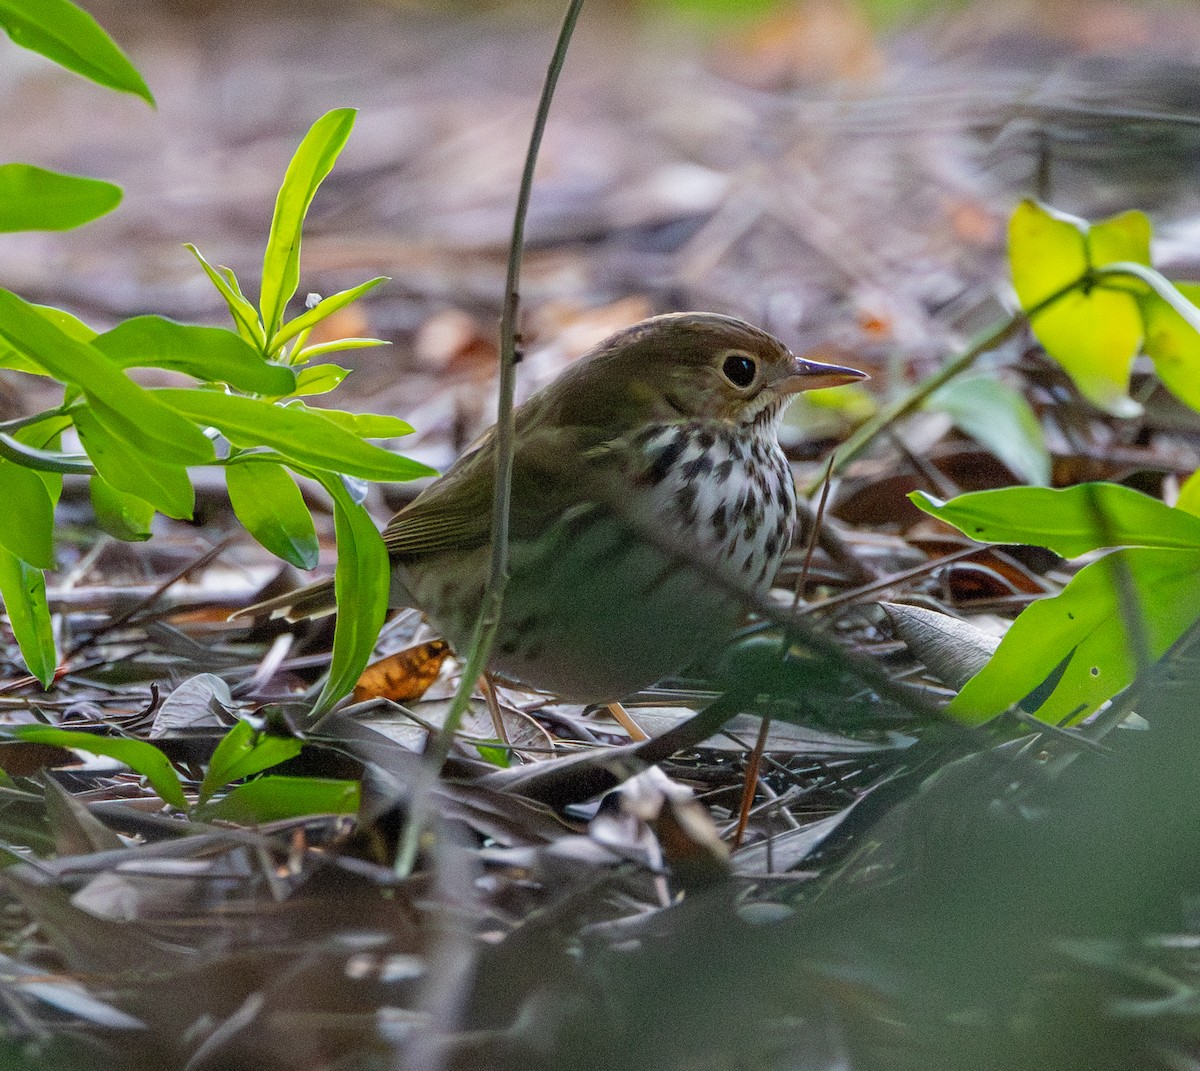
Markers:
point(687, 366)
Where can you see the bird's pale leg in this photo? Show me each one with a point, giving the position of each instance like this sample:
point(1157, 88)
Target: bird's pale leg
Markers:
point(636, 733)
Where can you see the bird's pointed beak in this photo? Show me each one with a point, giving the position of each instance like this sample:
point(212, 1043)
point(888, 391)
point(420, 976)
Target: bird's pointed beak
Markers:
point(813, 375)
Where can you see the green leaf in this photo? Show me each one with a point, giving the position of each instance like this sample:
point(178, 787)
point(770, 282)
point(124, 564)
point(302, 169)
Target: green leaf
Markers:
point(1070, 522)
point(366, 425)
point(1085, 623)
point(165, 486)
point(325, 307)
point(298, 433)
point(1124, 237)
point(270, 505)
point(33, 199)
point(211, 354)
point(319, 379)
point(127, 410)
point(245, 316)
point(119, 513)
point(312, 161)
point(336, 346)
point(71, 325)
point(274, 798)
point(999, 418)
point(361, 583)
point(243, 752)
point(70, 37)
point(1189, 495)
point(26, 516)
point(1093, 332)
point(139, 756)
point(23, 592)
point(1047, 252)
point(44, 437)
point(1173, 344)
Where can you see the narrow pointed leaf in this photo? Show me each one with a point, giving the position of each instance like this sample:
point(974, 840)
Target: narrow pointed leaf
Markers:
point(325, 307)
point(361, 583)
point(312, 161)
point(245, 316)
point(270, 505)
point(319, 379)
point(243, 752)
point(275, 797)
point(1070, 522)
point(33, 199)
point(23, 593)
point(139, 756)
point(165, 486)
point(69, 36)
point(211, 354)
point(127, 410)
point(299, 434)
point(366, 425)
point(336, 346)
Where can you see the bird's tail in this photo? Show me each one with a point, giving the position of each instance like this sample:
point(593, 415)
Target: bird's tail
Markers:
point(314, 600)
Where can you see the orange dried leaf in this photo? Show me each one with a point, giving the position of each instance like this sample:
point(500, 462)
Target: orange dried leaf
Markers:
point(404, 676)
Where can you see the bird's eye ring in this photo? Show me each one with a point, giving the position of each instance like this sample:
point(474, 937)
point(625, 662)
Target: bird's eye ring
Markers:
point(739, 369)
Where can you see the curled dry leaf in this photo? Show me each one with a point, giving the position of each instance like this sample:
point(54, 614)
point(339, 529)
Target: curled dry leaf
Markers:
point(405, 675)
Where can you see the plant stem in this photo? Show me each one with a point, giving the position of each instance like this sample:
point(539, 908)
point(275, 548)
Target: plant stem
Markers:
point(913, 401)
point(493, 595)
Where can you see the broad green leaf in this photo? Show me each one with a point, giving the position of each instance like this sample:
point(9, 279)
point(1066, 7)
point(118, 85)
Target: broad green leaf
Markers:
point(1124, 237)
point(274, 798)
point(245, 316)
point(120, 514)
point(165, 486)
point(998, 417)
point(1173, 344)
point(325, 307)
point(127, 410)
point(71, 325)
point(1095, 337)
point(139, 756)
point(299, 434)
point(26, 516)
point(1046, 250)
point(33, 199)
point(336, 346)
point(270, 505)
point(319, 379)
point(1070, 522)
point(366, 425)
point(362, 581)
point(1085, 622)
point(1093, 333)
point(312, 161)
point(23, 592)
point(243, 752)
point(211, 354)
point(69, 36)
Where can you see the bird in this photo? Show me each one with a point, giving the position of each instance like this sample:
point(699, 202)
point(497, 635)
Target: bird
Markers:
point(651, 501)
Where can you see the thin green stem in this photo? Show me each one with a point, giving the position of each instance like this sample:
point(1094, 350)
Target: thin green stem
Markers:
point(493, 596)
point(44, 460)
point(910, 403)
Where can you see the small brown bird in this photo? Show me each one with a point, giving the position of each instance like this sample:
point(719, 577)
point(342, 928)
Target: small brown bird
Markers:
point(655, 451)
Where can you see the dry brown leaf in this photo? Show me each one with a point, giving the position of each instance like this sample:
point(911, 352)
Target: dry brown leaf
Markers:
point(404, 676)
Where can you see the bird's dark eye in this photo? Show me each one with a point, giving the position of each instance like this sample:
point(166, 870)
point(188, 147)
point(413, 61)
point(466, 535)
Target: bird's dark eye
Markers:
point(739, 369)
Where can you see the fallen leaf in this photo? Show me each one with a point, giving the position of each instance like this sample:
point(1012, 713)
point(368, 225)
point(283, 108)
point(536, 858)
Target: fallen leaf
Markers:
point(403, 676)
